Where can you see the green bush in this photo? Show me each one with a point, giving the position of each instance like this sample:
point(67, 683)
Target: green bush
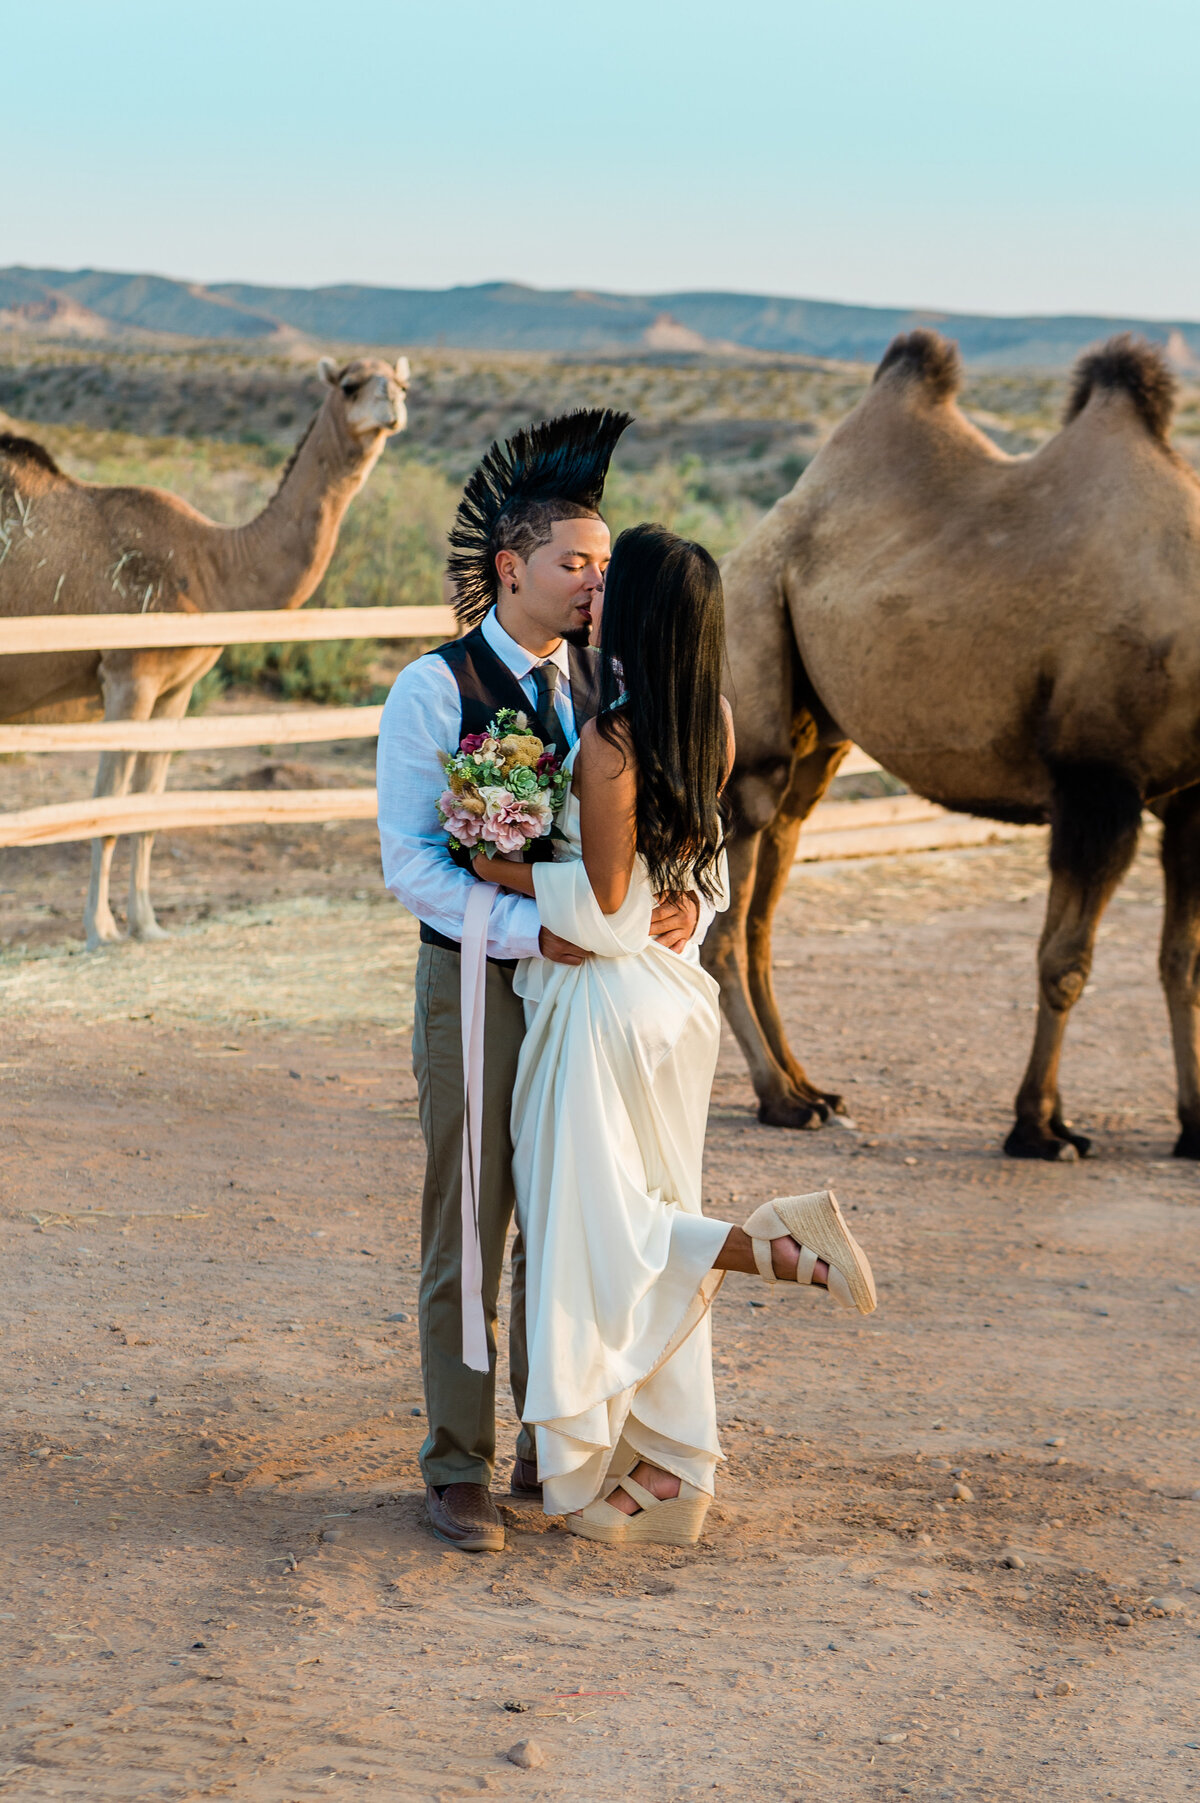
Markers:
point(206, 691)
point(391, 552)
point(332, 672)
point(682, 497)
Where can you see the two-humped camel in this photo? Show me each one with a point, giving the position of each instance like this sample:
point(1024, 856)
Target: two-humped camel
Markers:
point(81, 548)
point(1014, 637)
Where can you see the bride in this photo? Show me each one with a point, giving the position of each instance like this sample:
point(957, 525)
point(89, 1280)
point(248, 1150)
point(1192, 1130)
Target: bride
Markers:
point(613, 1083)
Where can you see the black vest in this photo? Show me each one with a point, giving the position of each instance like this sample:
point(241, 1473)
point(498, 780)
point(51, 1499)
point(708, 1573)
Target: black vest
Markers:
point(486, 684)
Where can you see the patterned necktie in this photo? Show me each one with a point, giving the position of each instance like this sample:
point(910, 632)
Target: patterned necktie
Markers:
point(545, 678)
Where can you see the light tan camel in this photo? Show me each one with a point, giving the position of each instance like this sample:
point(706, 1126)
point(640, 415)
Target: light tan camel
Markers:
point(78, 548)
point(1015, 637)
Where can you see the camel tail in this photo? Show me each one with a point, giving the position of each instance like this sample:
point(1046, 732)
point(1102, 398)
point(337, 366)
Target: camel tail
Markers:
point(1133, 367)
point(922, 356)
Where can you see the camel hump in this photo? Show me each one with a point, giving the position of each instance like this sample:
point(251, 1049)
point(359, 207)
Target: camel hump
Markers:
point(1133, 367)
point(27, 450)
point(925, 357)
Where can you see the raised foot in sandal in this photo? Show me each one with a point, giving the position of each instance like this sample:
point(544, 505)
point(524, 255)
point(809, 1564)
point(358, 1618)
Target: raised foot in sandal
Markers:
point(818, 1227)
point(659, 1521)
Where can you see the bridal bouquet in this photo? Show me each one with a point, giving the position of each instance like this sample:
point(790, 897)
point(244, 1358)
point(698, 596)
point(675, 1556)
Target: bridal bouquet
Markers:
point(503, 787)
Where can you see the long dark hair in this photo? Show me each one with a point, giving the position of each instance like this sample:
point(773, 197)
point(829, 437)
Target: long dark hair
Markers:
point(662, 651)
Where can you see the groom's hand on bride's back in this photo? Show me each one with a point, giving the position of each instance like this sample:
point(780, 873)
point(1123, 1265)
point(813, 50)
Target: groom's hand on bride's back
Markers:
point(560, 951)
point(674, 921)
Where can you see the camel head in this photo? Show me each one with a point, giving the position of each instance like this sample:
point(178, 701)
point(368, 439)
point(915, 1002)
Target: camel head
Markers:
point(370, 394)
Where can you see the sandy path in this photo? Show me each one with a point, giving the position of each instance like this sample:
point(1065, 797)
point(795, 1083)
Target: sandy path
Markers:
point(216, 1580)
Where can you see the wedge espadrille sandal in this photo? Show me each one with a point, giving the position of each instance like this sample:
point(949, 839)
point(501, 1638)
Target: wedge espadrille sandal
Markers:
point(818, 1227)
point(670, 1521)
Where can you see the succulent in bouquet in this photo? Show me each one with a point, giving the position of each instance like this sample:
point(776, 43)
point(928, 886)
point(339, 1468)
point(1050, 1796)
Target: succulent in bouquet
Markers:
point(503, 789)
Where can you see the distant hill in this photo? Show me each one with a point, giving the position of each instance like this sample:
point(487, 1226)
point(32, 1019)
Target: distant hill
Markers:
point(506, 316)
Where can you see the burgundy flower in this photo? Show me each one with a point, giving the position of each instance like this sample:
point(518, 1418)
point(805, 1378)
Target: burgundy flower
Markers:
point(547, 764)
point(472, 741)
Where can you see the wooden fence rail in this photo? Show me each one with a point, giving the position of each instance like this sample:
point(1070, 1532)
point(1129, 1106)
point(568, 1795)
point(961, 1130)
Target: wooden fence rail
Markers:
point(931, 830)
point(303, 726)
point(838, 829)
point(60, 823)
point(136, 632)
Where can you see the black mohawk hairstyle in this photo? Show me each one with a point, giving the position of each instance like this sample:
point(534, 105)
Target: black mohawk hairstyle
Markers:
point(564, 459)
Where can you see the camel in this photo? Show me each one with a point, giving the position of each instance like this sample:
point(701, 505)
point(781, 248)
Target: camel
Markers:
point(1014, 637)
point(79, 547)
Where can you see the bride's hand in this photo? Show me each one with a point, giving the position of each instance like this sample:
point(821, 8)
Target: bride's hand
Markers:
point(674, 920)
point(504, 873)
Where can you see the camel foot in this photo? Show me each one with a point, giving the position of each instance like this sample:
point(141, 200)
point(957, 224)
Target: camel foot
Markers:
point(793, 1111)
point(1028, 1140)
point(1188, 1144)
point(803, 1107)
point(150, 930)
point(103, 932)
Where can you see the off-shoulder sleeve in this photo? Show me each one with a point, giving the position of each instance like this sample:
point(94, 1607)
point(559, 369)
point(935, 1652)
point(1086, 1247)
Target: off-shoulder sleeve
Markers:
point(568, 907)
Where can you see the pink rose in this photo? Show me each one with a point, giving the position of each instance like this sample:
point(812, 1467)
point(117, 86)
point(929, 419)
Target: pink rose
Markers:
point(510, 833)
point(463, 817)
point(509, 824)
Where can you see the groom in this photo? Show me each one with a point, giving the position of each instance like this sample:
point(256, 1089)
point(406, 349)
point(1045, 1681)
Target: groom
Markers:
point(529, 552)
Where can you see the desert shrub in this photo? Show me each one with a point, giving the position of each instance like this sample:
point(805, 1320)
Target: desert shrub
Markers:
point(682, 497)
point(390, 553)
point(230, 483)
point(332, 673)
point(392, 548)
point(206, 691)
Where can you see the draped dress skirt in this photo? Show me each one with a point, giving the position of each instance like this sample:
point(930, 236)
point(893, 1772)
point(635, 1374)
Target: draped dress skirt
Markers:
point(609, 1112)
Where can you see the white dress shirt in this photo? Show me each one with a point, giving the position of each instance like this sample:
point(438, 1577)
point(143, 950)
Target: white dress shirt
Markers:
point(423, 716)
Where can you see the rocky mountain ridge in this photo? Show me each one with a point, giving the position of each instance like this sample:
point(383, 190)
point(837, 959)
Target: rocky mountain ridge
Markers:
point(508, 316)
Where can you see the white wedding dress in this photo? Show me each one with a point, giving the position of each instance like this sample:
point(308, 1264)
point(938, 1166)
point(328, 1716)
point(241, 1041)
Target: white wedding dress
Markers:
point(609, 1112)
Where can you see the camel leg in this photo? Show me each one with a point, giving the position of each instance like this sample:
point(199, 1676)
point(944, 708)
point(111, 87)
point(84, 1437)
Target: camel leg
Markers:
point(112, 778)
point(1179, 960)
point(125, 698)
point(770, 804)
point(150, 778)
point(724, 956)
point(1093, 836)
point(811, 777)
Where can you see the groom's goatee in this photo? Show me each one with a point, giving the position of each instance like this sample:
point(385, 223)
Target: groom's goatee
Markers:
point(561, 463)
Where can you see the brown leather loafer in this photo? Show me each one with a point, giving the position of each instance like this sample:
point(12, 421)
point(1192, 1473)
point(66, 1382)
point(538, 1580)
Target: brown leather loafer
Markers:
point(525, 1480)
point(465, 1516)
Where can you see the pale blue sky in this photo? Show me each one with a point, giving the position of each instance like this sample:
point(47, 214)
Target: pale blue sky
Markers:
point(1035, 155)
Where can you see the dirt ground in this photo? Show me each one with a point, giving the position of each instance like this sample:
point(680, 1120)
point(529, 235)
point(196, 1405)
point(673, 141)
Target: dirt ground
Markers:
point(216, 1578)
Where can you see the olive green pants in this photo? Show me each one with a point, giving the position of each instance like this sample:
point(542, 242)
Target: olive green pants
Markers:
point(460, 1447)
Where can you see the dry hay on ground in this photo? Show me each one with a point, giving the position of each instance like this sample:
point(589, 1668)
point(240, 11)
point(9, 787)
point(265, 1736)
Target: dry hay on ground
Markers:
point(312, 963)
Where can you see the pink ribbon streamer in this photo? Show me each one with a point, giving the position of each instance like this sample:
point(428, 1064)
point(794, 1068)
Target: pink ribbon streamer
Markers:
point(472, 1000)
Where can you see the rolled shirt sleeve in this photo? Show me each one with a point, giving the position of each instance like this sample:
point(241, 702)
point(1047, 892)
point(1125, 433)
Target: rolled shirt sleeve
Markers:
point(422, 718)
